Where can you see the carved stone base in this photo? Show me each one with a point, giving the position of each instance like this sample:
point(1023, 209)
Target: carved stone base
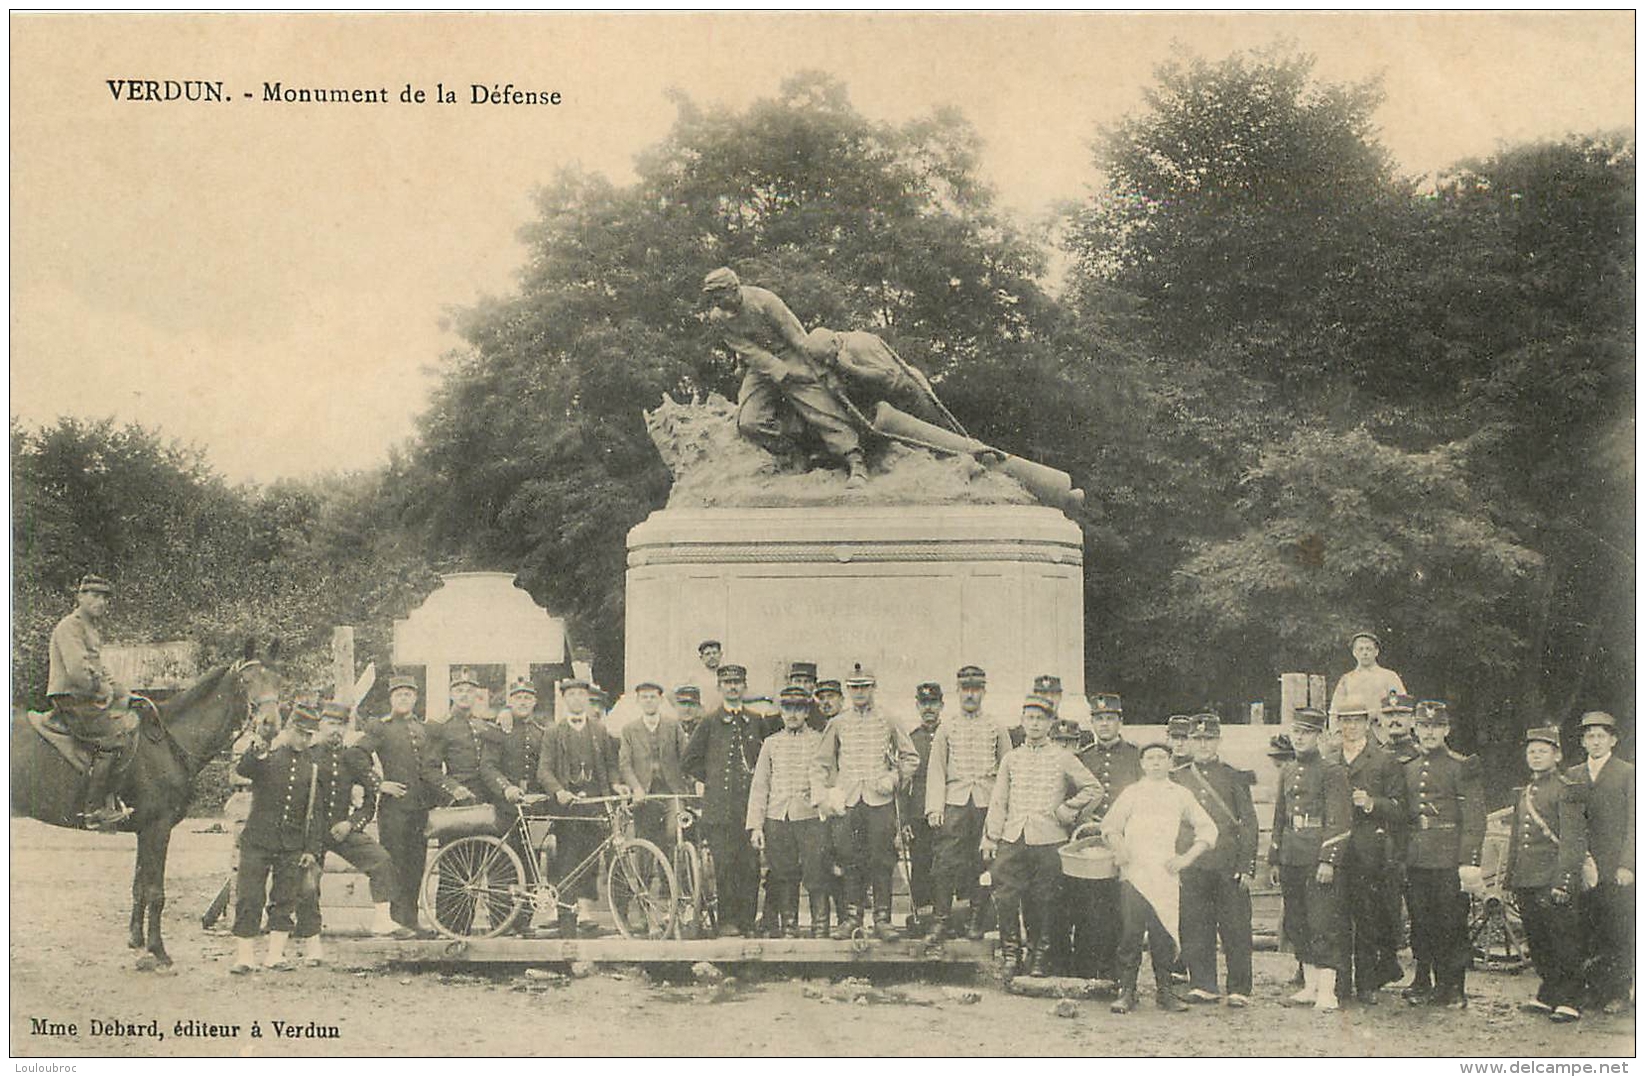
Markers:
point(912, 592)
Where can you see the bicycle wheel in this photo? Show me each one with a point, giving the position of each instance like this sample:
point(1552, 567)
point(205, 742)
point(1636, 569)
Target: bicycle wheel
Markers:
point(688, 871)
point(640, 890)
point(474, 888)
point(710, 889)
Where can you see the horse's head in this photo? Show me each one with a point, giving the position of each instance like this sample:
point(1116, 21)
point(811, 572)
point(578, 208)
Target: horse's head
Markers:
point(259, 686)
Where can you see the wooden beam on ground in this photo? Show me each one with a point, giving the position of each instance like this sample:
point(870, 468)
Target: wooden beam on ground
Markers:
point(642, 951)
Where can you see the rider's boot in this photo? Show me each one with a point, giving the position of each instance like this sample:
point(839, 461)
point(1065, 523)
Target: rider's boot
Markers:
point(819, 916)
point(102, 810)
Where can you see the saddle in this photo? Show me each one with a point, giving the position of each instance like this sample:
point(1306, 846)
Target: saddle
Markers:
point(144, 715)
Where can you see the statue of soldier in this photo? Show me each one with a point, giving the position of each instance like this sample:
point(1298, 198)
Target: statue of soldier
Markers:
point(87, 700)
point(781, 379)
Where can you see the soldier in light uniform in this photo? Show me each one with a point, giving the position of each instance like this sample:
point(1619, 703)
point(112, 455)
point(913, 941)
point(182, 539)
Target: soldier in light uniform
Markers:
point(1310, 840)
point(1375, 786)
point(1546, 847)
point(337, 826)
point(911, 803)
point(1216, 888)
point(1039, 793)
point(966, 752)
point(276, 840)
point(862, 759)
point(1445, 815)
point(1115, 763)
point(88, 701)
point(409, 787)
point(785, 817)
point(721, 754)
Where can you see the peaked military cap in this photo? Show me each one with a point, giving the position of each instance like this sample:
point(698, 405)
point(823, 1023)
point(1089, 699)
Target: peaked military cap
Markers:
point(303, 719)
point(93, 585)
point(1039, 703)
point(1357, 713)
point(829, 686)
point(802, 669)
point(688, 693)
point(522, 685)
point(1547, 734)
point(859, 677)
point(1047, 682)
point(707, 643)
point(929, 692)
point(463, 675)
point(1280, 747)
point(1308, 718)
point(331, 710)
point(597, 695)
point(1106, 703)
point(398, 681)
point(1433, 712)
point(794, 695)
point(1178, 725)
point(732, 672)
point(972, 677)
point(1597, 718)
point(1205, 726)
point(1398, 704)
point(653, 685)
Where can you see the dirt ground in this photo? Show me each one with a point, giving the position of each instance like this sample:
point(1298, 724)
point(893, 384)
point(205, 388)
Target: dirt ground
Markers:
point(69, 965)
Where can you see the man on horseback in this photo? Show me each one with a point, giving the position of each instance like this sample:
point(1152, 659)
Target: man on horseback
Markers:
point(88, 702)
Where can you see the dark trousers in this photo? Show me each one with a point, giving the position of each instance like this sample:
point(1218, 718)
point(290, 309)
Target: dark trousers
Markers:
point(921, 856)
point(252, 889)
point(1025, 883)
point(736, 873)
point(402, 836)
point(575, 840)
point(1365, 890)
point(795, 853)
point(1094, 905)
point(366, 857)
point(956, 856)
point(1552, 933)
point(1439, 923)
point(1391, 929)
point(1215, 905)
point(1607, 917)
point(1313, 916)
point(654, 821)
point(1138, 918)
point(864, 840)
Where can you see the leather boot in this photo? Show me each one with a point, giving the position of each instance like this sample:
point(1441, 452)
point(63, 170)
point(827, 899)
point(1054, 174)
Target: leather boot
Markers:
point(1167, 1000)
point(977, 927)
point(882, 926)
point(1039, 964)
point(1010, 949)
point(568, 924)
point(102, 809)
point(851, 921)
point(1127, 1000)
point(819, 916)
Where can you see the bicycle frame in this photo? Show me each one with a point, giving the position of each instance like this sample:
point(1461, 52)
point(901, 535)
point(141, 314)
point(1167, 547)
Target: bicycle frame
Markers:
point(616, 818)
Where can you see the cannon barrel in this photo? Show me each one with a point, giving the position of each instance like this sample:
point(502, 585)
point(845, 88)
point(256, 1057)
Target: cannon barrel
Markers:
point(1052, 487)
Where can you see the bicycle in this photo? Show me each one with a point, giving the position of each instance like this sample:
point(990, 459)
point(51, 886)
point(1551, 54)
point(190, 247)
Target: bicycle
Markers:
point(478, 887)
point(699, 902)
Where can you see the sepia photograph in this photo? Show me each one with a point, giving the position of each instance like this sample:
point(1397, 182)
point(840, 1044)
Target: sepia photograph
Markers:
point(823, 534)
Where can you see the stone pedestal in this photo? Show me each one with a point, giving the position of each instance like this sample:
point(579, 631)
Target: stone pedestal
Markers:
point(914, 592)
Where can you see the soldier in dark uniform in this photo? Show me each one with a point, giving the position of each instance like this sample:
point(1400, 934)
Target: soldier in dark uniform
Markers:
point(337, 826)
point(1607, 909)
point(511, 749)
point(1114, 762)
point(1546, 846)
point(276, 841)
point(410, 784)
point(830, 696)
point(1445, 814)
point(688, 704)
point(1177, 728)
point(1216, 888)
point(1375, 786)
point(1397, 741)
point(1310, 839)
point(1061, 921)
point(961, 770)
point(804, 675)
point(454, 742)
point(573, 766)
point(721, 754)
point(911, 804)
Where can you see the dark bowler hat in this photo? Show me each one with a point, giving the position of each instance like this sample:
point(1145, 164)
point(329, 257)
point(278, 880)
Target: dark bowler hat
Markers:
point(688, 693)
point(402, 680)
point(522, 685)
point(94, 585)
point(1065, 729)
point(1357, 636)
point(463, 675)
point(1047, 682)
point(1308, 718)
point(1597, 718)
point(304, 720)
point(1039, 703)
point(1106, 703)
point(333, 711)
point(1398, 704)
point(1547, 734)
point(829, 686)
point(1205, 726)
point(707, 643)
point(972, 677)
point(859, 677)
point(1178, 725)
point(794, 695)
point(1433, 712)
point(1358, 714)
point(733, 672)
point(802, 669)
point(653, 685)
point(929, 692)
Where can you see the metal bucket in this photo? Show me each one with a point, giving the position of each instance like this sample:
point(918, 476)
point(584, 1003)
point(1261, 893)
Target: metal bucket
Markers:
point(1087, 857)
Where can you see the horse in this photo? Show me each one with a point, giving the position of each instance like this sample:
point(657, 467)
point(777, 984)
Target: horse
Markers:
point(193, 727)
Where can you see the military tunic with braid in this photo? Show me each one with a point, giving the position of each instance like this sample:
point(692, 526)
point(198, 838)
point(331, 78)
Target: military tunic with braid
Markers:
point(1445, 827)
point(338, 770)
point(1311, 828)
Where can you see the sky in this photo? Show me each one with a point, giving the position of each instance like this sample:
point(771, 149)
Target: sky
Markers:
point(271, 281)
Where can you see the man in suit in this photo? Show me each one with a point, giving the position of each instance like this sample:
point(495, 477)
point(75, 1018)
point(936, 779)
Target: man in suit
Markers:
point(1375, 786)
point(1546, 847)
point(650, 754)
point(1216, 888)
point(410, 786)
point(722, 754)
point(573, 766)
point(1607, 908)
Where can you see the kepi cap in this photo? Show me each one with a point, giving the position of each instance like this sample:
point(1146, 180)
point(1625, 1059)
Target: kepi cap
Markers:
point(688, 693)
point(304, 719)
point(1547, 734)
point(802, 669)
point(1433, 712)
point(794, 695)
point(1398, 704)
point(1039, 703)
point(1178, 725)
point(829, 685)
point(1106, 703)
point(859, 677)
point(1356, 713)
point(93, 585)
point(972, 677)
point(522, 686)
point(1047, 682)
point(1205, 726)
point(463, 675)
point(732, 672)
point(398, 681)
point(575, 682)
point(929, 692)
point(1308, 718)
